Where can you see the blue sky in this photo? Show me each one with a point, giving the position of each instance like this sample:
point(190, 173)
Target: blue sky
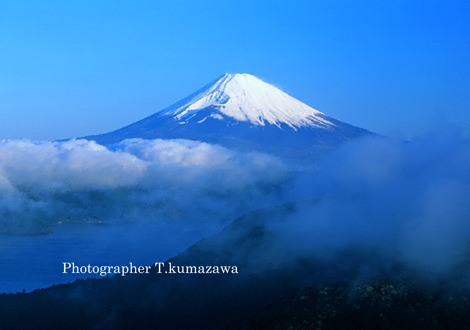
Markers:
point(72, 68)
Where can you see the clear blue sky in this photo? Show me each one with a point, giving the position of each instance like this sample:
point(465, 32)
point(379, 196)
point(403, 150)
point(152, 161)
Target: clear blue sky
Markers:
point(72, 68)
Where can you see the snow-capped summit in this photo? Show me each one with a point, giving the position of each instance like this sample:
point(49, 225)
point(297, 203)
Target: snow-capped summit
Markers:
point(246, 98)
point(243, 112)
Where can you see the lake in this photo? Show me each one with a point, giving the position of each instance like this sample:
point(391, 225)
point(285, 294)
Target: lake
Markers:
point(31, 262)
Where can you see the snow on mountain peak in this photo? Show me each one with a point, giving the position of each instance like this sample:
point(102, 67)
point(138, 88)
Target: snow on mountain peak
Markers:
point(241, 111)
point(246, 98)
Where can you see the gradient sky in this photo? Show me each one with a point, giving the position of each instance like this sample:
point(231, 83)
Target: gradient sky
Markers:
point(72, 68)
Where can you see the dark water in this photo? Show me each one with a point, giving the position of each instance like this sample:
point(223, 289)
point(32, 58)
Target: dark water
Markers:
point(31, 262)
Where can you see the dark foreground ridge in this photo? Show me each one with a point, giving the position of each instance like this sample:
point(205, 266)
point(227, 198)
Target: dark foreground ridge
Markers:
point(294, 293)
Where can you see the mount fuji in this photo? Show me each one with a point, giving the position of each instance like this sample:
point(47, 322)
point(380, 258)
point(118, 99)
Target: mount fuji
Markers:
point(243, 112)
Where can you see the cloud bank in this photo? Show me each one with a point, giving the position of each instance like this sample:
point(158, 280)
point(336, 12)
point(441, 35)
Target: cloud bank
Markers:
point(43, 183)
point(403, 203)
point(407, 203)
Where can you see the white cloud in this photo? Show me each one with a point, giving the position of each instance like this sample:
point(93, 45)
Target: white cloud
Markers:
point(42, 183)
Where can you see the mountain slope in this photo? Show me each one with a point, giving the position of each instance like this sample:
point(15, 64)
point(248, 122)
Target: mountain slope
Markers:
point(243, 112)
